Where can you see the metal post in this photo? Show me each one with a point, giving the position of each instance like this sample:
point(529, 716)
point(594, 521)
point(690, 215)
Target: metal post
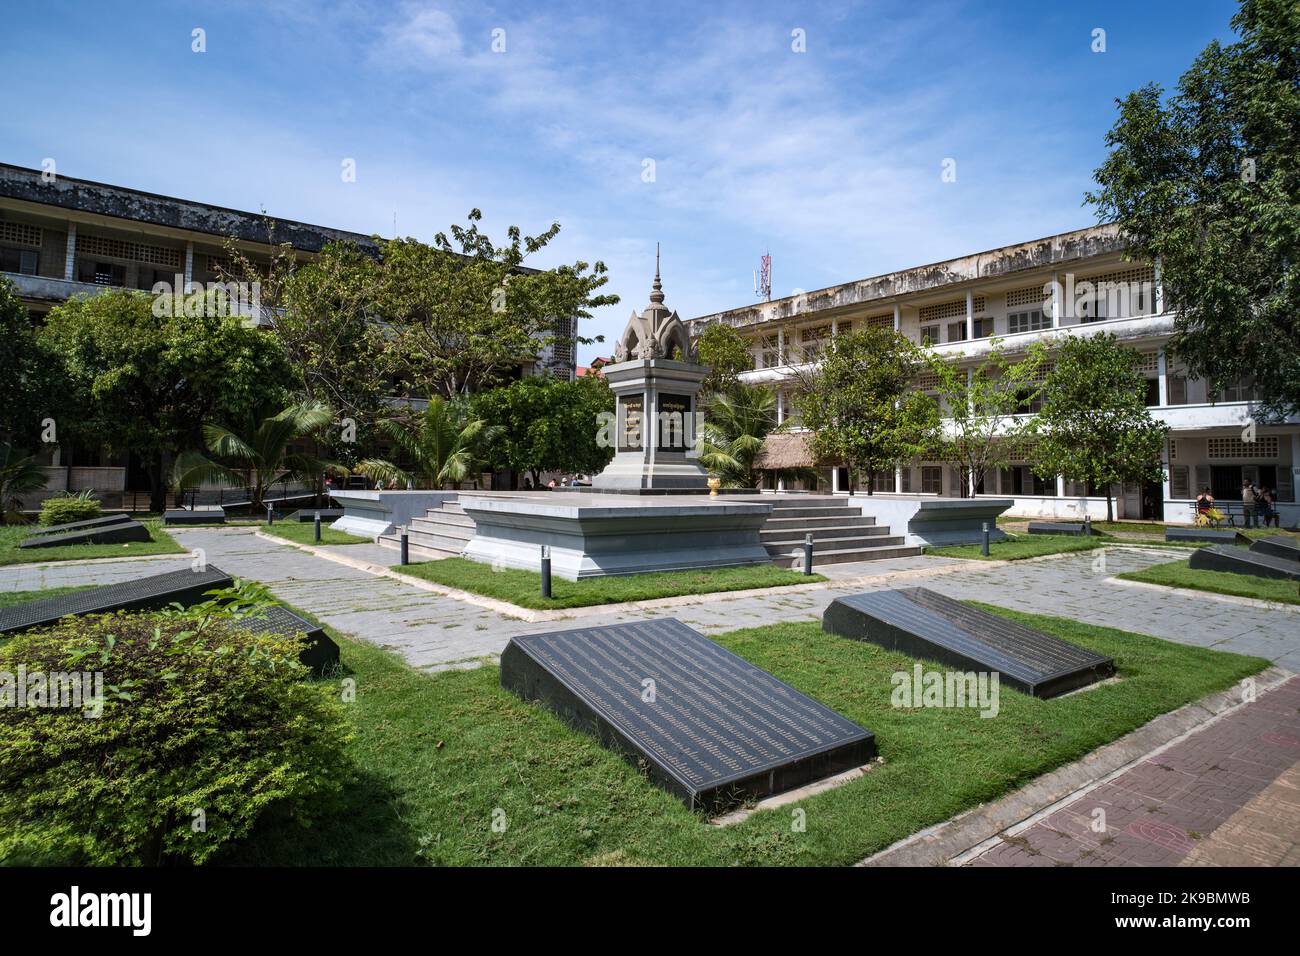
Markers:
point(546, 571)
point(807, 553)
point(1087, 525)
point(984, 548)
point(317, 528)
point(406, 546)
point(270, 513)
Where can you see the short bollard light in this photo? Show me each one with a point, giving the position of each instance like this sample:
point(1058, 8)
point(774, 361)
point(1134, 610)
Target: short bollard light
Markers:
point(317, 528)
point(406, 546)
point(1087, 525)
point(270, 513)
point(807, 553)
point(546, 571)
point(984, 547)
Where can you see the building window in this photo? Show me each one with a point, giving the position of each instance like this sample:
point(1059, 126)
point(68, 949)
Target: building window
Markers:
point(884, 320)
point(956, 331)
point(1177, 390)
point(930, 335)
point(101, 273)
point(905, 484)
point(1239, 392)
point(770, 356)
point(884, 481)
point(21, 261)
point(1179, 486)
point(1029, 321)
point(984, 327)
point(931, 479)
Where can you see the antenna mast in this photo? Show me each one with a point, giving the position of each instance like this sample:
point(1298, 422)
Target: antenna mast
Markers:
point(763, 277)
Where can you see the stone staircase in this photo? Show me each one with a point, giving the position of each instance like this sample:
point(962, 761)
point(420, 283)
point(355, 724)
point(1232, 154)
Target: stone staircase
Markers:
point(441, 533)
point(841, 533)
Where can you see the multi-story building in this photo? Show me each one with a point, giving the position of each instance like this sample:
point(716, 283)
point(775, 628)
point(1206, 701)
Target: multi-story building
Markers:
point(1076, 283)
point(61, 237)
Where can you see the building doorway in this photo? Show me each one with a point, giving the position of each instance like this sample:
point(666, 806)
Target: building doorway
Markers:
point(1153, 501)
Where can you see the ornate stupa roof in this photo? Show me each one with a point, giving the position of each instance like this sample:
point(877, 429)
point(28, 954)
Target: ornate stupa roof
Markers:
point(657, 332)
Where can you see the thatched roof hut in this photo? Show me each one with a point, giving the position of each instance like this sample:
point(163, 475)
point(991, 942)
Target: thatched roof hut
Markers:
point(784, 451)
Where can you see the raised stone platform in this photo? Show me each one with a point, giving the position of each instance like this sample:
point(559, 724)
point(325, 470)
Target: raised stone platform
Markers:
point(596, 535)
point(928, 521)
point(1217, 557)
point(369, 514)
point(1278, 546)
point(925, 624)
point(708, 726)
point(1211, 535)
point(120, 532)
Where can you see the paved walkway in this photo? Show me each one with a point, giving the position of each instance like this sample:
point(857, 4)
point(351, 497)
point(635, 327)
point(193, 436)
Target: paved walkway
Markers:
point(1227, 795)
point(431, 629)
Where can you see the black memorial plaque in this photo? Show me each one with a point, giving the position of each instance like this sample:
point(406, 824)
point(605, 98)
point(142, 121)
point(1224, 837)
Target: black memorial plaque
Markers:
point(672, 424)
point(104, 522)
point(320, 654)
point(1243, 561)
point(711, 728)
point(630, 423)
point(120, 532)
point(926, 624)
point(1278, 546)
point(1058, 527)
point(188, 516)
point(142, 594)
point(1211, 535)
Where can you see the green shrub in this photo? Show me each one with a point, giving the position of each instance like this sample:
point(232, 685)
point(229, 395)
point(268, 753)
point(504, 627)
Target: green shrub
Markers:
point(69, 507)
point(194, 717)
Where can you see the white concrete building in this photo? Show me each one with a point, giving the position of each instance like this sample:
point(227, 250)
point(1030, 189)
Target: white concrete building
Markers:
point(1076, 283)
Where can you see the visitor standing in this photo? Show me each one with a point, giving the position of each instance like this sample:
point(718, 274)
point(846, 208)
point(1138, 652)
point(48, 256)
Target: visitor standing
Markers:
point(1247, 503)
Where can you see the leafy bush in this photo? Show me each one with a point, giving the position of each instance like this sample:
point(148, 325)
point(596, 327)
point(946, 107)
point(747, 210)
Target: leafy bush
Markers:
point(69, 507)
point(194, 716)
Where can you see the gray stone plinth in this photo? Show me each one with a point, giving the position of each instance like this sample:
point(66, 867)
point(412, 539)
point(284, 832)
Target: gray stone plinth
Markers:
point(372, 513)
point(596, 535)
point(936, 522)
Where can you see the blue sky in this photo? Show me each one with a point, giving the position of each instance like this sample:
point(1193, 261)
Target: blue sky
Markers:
point(830, 158)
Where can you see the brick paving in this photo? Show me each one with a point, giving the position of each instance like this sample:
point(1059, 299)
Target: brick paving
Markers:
point(1227, 795)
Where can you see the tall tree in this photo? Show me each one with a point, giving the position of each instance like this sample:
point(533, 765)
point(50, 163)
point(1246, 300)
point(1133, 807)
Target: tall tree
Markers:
point(727, 353)
point(464, 313)
point(862, 406)
point(22, 370)
point(444, 444)
point(979, 407)
point(139, 378)
point(1094, 425)
point(1208, 180)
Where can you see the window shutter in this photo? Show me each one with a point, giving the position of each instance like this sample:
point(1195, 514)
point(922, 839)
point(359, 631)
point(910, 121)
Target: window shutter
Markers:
point(1178, 475)
point(1177, 390)
point(1202, 478)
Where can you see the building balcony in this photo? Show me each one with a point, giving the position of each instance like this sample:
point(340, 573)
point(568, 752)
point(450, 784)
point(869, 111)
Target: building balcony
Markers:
point(46, 289)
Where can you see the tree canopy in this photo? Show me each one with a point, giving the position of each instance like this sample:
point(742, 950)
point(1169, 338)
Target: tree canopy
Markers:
point(727, 353)
point(1208, 181)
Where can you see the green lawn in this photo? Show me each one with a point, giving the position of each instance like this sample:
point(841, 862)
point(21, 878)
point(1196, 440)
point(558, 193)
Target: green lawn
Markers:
point(1017, 547)
point(439, 753)
point(12, 535)
point(524, 588)
point(1177, 574)
point(303, 532)
point(10, 598)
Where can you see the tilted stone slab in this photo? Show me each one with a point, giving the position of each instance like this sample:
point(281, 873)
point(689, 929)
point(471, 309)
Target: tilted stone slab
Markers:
point(143, 594)
point(926, 624)
point(1278, 546)
point(188, 516)
point(1058, 527)
point(104, 522)
point(707, 725)
point(1211, 535)
point(120, 533)
point(321, 653)
point(1241, 561)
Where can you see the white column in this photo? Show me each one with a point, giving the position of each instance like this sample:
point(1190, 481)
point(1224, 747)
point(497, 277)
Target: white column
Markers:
point(1295, 466)
point(70, 262)
point(1060, 486)
point(1162, 370)
point(898, 318)
point(780, 346)
point(898, 480)
point(835, 328)
point(835, 479)
point(780, 406)
point(1159, 292)
point(970, 316)
point(1056, 300)
point(1165, 485)
point(189, 266)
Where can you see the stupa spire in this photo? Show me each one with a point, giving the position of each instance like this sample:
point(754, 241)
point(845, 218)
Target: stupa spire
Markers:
point(657, 290)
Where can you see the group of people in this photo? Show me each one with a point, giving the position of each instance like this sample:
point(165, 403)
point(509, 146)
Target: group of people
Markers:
point(1258, 504)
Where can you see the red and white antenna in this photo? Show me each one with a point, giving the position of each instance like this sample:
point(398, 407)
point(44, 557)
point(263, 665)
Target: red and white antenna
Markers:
point(763, 277)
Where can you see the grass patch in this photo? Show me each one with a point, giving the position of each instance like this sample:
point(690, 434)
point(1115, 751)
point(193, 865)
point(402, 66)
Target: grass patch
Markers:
point(440, 752)
point(1178, 574)
point(524, 588)
point(10, 598)
point(12, 535)
point(304, 532)
point(1017, 547)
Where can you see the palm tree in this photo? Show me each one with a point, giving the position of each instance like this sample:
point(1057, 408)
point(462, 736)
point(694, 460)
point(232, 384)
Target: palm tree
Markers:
point(261, 449)
point(736, 423)
point(19, 475)
point(443, 442)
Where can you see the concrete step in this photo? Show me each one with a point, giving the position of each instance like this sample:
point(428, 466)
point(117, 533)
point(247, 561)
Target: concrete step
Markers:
point(842, 544)
point(795, 535)
point(437, 542)
point(440, 524)
point(447, 517)
point(848, 554)
point(811, 524)
point(827, 511)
